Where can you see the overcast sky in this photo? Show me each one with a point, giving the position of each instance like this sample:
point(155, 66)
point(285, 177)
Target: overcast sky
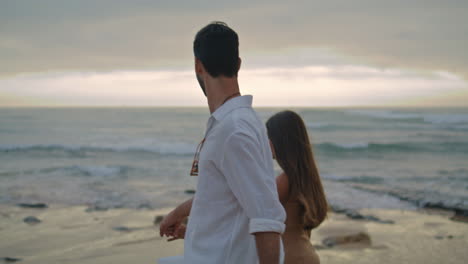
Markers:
point(307, 53)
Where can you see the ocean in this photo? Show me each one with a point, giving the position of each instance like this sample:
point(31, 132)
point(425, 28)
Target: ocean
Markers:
point(141, 157)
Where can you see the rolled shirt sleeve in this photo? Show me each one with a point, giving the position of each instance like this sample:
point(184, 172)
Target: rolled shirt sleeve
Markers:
point(251, 179)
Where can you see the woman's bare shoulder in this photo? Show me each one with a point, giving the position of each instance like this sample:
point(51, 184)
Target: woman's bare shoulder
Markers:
point(282, 183)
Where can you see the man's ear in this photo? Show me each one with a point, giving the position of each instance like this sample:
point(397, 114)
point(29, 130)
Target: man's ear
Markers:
point(239, 64)
point(273, 153)
point(199, 68)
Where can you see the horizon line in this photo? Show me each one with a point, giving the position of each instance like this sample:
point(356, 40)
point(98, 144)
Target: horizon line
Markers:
point(195, 106)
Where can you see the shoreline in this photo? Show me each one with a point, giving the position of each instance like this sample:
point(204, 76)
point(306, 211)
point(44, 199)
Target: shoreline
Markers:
point(71, 234)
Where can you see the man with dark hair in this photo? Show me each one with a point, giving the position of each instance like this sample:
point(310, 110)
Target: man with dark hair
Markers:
point(235, 215)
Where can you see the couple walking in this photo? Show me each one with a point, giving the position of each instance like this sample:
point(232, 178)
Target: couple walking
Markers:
point(240, 212)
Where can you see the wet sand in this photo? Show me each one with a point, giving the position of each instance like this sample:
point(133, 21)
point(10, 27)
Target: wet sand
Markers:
point(73, 235)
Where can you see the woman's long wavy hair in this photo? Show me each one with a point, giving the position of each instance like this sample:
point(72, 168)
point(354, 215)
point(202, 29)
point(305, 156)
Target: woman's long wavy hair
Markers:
point(293, 153)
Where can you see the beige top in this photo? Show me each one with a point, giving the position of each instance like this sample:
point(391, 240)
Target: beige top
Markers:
point(296, 239)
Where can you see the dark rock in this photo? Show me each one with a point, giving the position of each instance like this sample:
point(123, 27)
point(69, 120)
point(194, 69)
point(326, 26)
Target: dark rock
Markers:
point(460, 216)
point(126, 229)
point(361, 237)
point(390, 222)
point(329, 242)
point(158, 219)
point(96, 207)
point(190, 191)
point(320, 247)
point(33, 205)
point(31, 220)
point(122, 229)
point(461, 212)
point(145, 206)
point(371, 218)
point(354, 215)
point(440, 237)
point(357, 216)
point(337, 209)
point(10, 260)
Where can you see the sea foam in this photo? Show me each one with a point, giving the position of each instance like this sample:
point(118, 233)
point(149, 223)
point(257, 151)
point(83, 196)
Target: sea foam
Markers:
point(165, 148)
point(428, 118)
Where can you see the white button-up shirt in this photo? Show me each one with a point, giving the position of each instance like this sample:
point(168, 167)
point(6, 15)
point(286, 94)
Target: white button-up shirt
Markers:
point(236, 191)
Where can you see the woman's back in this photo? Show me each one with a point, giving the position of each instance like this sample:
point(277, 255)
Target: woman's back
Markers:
point(296, 239)
point(299, 186)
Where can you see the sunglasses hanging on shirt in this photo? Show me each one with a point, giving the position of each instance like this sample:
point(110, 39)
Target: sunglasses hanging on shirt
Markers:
point(196, 157)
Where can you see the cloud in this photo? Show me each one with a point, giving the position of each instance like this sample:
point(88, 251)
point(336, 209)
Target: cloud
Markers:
point(310, 86)
point(107, 35)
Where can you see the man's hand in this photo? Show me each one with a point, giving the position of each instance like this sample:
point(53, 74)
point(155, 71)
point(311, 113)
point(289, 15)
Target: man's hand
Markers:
point(170, 224)
point(173, 224)
point(179, 233)
point(268, 247)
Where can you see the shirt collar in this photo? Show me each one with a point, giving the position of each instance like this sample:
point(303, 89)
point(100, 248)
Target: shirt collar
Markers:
point(234, 103)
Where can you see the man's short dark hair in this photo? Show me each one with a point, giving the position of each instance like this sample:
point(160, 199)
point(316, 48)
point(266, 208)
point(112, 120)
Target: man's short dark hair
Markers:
point(217, 47)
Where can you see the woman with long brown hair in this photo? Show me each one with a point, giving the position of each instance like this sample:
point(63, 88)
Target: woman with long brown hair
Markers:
point(299, 186)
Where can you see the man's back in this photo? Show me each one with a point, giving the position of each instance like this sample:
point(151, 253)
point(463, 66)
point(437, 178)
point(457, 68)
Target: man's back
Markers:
point(236, 192)
point(236, 195)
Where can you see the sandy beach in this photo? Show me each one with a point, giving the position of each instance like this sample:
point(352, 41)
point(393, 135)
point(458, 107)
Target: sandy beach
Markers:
point(76, 235)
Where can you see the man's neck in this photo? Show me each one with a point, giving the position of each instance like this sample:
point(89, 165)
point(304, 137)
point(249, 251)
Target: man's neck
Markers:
point(220, 91)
